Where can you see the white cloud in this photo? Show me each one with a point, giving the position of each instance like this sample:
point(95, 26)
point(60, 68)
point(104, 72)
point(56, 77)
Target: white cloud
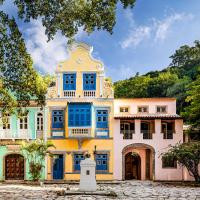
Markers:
point(156, 30)
point(163, 27)
point(136, 36)
point(46, 55)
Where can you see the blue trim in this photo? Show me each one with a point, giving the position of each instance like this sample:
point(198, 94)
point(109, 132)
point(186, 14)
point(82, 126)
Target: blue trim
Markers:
point(97, 130)
point(79, 114)
point(57, 118)
point(89, 81)
point(69, 81)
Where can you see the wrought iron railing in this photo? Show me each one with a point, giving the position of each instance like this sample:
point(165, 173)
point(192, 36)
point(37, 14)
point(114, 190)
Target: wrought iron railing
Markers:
point(127, 134)
point(147, 134)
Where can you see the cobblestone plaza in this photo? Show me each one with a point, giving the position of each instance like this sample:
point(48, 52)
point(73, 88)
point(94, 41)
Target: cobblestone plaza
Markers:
point(125, 190)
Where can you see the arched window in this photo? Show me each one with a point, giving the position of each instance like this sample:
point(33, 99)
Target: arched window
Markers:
point(39, 122)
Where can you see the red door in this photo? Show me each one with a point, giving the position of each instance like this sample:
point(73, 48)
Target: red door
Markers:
point(14, 167)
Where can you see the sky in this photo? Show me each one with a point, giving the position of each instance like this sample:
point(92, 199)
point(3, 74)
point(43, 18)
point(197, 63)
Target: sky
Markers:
point(143, 38)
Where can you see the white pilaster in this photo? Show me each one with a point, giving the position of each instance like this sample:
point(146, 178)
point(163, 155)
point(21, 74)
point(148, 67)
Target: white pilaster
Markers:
point(59, 84)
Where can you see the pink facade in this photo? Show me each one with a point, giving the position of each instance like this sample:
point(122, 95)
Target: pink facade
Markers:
point(144, 128)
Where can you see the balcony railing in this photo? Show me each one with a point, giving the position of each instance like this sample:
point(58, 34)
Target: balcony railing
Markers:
point(79, 132)
point(89, 93)
point(69, 93)
point(147, 134)
point(23, 134)
point(168, 134)
point(127, 134)
point(5, 134)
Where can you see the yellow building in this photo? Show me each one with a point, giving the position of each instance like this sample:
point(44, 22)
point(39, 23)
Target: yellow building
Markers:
point(80, 116)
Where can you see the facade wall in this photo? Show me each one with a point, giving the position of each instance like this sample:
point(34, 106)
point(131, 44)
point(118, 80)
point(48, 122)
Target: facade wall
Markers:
point(10, 142)
point(157, 142)
point(80, 62)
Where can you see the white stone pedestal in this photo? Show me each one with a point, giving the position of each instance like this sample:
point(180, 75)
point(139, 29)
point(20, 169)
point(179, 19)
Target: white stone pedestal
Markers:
point(88, 178)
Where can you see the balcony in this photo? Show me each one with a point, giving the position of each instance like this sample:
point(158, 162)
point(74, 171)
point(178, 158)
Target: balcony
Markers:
point(5, 134)
point(127, 134)
point(79, 132)
point(69, 93)
point(89, 93)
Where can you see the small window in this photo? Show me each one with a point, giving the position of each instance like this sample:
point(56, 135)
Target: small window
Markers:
point(23, 123)
point(169, 163)
point(142, 109)
point(69, 81)
point(77, 161)
point(40, 122)
point(102, 118)
point(161, 109)
point(58, 119)
point(124, 109)
point(6, 122)
point(101, 162)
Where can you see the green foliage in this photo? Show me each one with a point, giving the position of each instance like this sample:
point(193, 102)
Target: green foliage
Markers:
point(192, 112)
point(19, 81)
point(68, 16)
point(187, 155)
point(35, 153)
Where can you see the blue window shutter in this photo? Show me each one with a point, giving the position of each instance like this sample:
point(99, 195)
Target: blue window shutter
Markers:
point(102, 118)
point(89, 81)
point(102, 162)
point(79, 114)
point(69, 81)
point(77, 161)
point(57, 119)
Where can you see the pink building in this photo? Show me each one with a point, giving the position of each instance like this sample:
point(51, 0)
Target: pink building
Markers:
point(144, 128)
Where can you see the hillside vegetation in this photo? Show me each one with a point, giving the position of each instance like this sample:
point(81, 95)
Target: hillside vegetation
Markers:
point(173, 81)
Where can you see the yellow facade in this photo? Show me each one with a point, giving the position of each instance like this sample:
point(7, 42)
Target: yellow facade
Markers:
point(71, 141)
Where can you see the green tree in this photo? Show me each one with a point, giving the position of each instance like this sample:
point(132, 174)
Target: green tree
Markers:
point(158, 85)
point(187, 155)
point(19, 81)
point(35, 153)
point(192, 112)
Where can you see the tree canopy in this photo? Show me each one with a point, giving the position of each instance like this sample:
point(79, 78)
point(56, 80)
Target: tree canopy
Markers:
point(19, 81)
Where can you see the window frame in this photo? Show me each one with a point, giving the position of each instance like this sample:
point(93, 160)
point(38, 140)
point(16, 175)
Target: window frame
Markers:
point(138, 107)
point(69, 86)
point(159, 106)
point(102, 171)
point(74, 161)
point(7, 125)
point(123, 108)
point(22, 123)
point(53, 126)
point(89, 85)
point(79, 115)
point(102, 124)
point(41, 121)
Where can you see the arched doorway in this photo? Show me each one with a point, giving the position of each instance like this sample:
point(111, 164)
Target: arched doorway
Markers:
point(132, 166)
point(145, 161)
point(14, 167)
